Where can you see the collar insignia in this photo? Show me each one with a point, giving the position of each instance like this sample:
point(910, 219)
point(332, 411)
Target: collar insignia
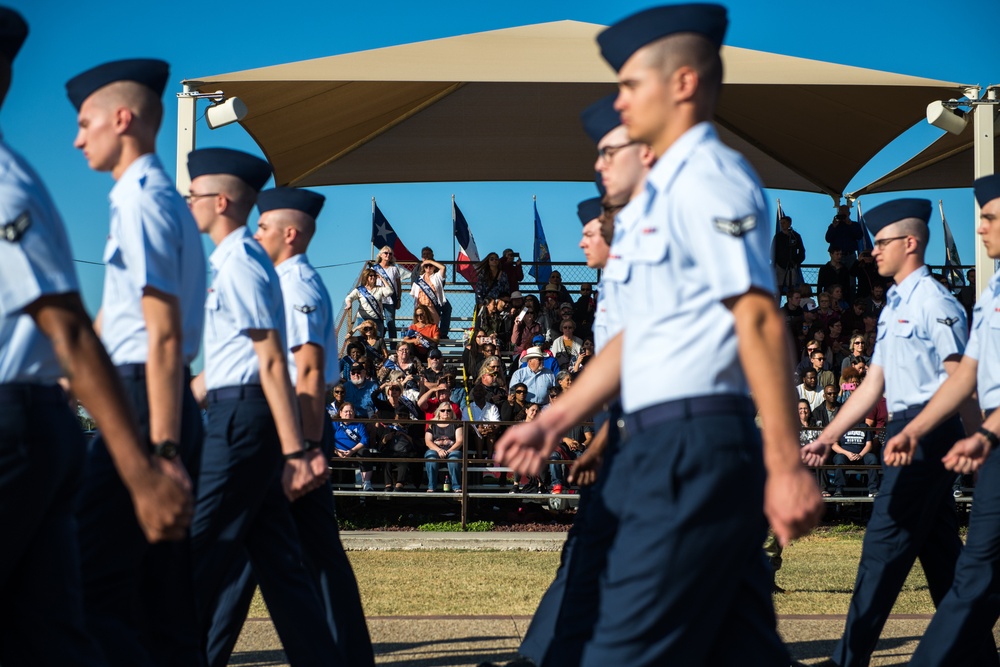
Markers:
point(947, 321)
point(305, 309)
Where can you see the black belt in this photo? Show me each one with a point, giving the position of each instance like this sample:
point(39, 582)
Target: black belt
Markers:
point(697, 406)
point(25, 392)
point(908, 413)
point(249, 391)
point(138, 371)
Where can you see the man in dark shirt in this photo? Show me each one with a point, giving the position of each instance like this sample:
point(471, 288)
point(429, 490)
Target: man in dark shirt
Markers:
point(876, 302)
point(793, 313)
point(866, 274)
point(835, 272)
point(787, 253)
point(825, 413)
point(583, 312)
point(855, 447)
point(853, 318)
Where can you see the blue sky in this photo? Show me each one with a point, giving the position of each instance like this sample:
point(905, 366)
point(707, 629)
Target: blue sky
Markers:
point(201, 38)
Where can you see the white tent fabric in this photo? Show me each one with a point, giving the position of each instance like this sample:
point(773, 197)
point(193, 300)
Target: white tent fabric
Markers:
point(504, 105)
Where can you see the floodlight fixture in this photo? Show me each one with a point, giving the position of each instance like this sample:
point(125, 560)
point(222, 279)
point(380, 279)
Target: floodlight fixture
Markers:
point(947, 116)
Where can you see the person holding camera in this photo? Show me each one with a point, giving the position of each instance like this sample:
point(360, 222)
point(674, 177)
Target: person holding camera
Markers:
point(844, 234)
point(510, 264)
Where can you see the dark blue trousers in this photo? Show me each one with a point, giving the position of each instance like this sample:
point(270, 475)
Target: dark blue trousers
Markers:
point(685, 581)
point(241, 514)
point(568, 609)
point(41, 456)
point(971, 607)
point(316, 521)
point(138, 597)
point(912, 517)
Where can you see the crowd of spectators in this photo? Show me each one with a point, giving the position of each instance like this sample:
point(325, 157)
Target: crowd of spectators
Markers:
point(527, 342)
point(405, 396)
point(833, 329)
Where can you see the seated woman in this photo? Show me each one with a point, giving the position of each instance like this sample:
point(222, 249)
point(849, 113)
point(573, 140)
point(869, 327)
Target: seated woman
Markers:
point(535, 484)
point(586, 354)
point(350, 439)
point(515, 408)
point(444, 440)
point(423, 332)
point(857, 352)
point(567, 347)
point(374, 345)
point(396, 441)
point(355, 352)
point(335, 400)
point(404, 360)
point(369, 297)
point(491, 281)
point(850, 378)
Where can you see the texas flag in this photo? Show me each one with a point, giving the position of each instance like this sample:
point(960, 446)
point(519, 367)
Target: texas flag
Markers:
point(468, 254)
point(384, 235)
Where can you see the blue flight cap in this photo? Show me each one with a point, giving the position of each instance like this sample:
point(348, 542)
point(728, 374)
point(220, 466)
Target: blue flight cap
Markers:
point(589, 209)
point(987, 189)
point(13, 31)
point(250, 169)
point(624, 38)
point(149, 72)
point(310, 203)
point(885, 214)
point(600, 118)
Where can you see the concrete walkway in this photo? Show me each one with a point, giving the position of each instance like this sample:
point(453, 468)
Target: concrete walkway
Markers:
point(407, 540)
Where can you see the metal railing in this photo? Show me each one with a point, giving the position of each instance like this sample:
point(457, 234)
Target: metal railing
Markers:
point(471, 466)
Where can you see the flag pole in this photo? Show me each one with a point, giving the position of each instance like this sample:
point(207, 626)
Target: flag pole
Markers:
point(372, 242)
point(454, 251)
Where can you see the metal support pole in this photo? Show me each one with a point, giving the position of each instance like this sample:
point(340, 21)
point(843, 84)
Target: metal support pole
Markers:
point(984, 164)
point(186, 120)
point(464, 475)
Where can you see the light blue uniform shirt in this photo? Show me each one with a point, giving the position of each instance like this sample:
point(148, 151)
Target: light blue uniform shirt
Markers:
point(984, 344)
point(702, 237)
point(35, 260)
point(245, 295)
point(308, 314)
point(920, 326)
point(153, 241)
point(608, 316)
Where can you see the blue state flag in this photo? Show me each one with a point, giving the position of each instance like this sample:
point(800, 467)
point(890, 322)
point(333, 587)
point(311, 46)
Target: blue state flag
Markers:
point(865, 242)
point(542, 268)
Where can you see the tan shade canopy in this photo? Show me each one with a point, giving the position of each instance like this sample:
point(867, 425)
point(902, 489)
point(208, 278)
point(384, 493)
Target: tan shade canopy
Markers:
point(504, 106)
point(946, 163)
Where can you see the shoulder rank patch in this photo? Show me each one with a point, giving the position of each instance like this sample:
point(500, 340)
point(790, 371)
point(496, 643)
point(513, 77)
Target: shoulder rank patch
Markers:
point(305, 309)
point(13, 231)
point(737, 227)
point(947, 321)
